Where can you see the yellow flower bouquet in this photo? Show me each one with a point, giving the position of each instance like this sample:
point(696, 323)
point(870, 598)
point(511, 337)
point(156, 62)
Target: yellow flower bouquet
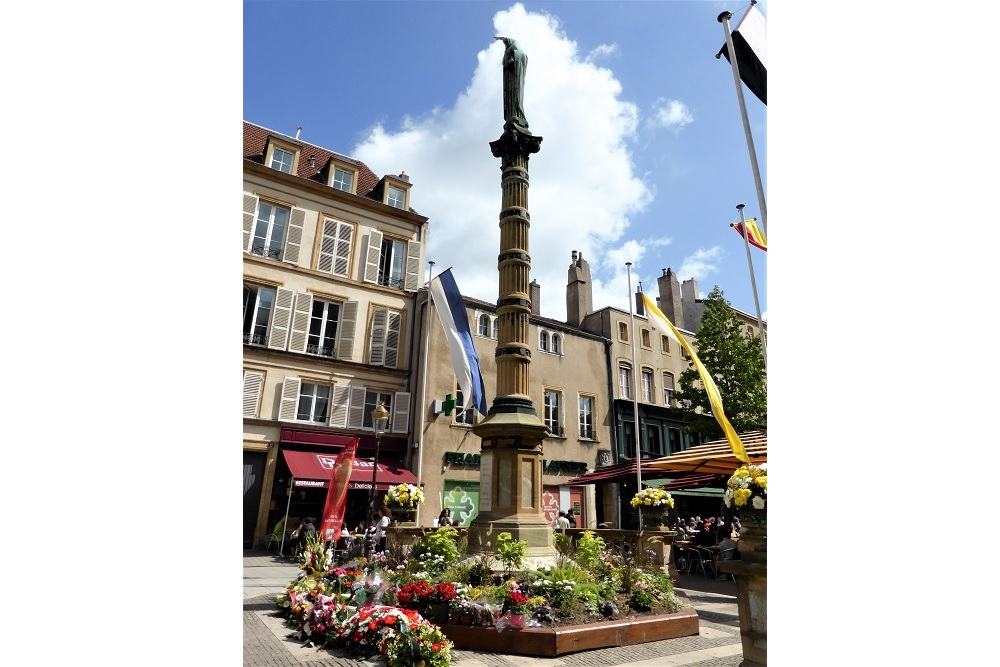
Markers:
point(747, 486)
point(652, 497)
point(404, 495)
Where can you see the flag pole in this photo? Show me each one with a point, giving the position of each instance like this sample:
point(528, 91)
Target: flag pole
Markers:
point(753, 283)
point(635, 391)
point(724, 20)
point(423, 383)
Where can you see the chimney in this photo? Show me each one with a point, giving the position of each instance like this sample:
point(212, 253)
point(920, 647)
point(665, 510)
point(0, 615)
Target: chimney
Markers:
point(298, 131)
point(640, 307)
point(579, 290)
point(670, 298)
point(692, 311)
point(404, 177)
point(536, 297)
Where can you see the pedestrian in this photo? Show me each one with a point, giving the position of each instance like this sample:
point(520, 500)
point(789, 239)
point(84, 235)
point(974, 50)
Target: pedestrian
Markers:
point(444, 519)
point(376, 532)
point(571, 517)
point(562, 522)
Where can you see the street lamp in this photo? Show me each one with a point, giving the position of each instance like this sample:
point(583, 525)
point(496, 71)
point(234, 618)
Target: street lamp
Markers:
point(379, 417)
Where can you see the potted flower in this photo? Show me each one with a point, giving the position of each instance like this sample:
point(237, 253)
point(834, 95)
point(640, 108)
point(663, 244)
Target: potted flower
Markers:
point(652, 503)
point(439, 602)
point(515, 603)
point(746, 492)
point(403, 499)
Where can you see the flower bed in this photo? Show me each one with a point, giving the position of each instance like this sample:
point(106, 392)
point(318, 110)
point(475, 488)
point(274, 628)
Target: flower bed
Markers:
point(386, 606)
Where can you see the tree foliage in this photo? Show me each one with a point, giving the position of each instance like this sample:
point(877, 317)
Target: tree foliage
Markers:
point(736, 362)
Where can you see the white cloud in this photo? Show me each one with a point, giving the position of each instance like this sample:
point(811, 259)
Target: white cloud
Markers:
point(671, 114)
point(602, 51)
point(701, 266)
point(584, 184)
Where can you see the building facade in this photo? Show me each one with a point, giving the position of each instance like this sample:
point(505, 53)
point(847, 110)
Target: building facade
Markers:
point(332, 258)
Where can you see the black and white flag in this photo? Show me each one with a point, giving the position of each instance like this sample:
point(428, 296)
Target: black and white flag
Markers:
point(750, 44)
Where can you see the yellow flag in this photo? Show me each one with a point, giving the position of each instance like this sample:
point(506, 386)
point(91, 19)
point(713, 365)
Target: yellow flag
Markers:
point(659, 319)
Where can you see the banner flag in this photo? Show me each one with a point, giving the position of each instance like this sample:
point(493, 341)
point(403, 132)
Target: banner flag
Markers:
point(657, 318)
point(750, 44)
point(336, 494)
point(455, 321)
point(756, 237)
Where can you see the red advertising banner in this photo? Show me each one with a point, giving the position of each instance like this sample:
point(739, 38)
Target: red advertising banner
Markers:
point(336, 494)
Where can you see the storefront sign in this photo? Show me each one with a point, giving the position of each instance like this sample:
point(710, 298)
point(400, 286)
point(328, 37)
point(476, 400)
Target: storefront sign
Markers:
point(469, 459)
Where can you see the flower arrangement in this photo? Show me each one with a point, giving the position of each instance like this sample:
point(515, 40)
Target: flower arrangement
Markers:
point(415, 595)
point(652, 497)
point(747, 485)
point(396, 633)
point(404, 495)
point(443, 591)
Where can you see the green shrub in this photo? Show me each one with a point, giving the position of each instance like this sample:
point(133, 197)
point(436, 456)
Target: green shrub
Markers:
point(436, 550)
point(510, 552)
point(588, 550)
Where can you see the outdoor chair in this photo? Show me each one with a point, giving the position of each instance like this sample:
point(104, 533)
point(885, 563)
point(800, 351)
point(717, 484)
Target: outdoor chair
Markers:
point(274, 541)
point(723, 555)
point(703, 559)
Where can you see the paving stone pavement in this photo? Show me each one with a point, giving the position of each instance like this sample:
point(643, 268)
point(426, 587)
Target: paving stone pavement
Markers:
point(266, 642)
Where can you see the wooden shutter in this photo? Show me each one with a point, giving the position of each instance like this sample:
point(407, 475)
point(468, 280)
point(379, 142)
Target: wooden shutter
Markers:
point(372, 255)
point(293, 240)
point(289, 399)
point(376, 352)
point(327, 245)
point(339, 403)
point(252, 381)
point(277, 335)
point(249, 214)
point(356, 415)
point(342, 262)
point(412, 280)
point(335, 247)
point(401, 412)
point(392, 340)
point(300, 322)
point(345, 331)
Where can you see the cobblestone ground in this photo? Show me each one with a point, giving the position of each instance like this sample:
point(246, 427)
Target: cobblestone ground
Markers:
point(266, 642)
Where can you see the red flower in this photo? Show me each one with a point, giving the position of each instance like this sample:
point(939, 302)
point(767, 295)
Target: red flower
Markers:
point(357, 636)
point(436, 646)
point(373, 625)
point(389, 620)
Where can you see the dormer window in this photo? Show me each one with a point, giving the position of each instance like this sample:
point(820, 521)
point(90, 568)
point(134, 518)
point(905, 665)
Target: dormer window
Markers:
point(395, 197)
point(282, 156)
point(341, 176)
point(343, 180)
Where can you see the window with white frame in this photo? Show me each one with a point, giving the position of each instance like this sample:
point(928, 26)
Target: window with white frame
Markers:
point(647, 385)
point(323, 323)
point(543, 341)
point(668, 388)
point(586, 406)
point(269, 230)
point(624, 380)
point(553, 399)
point(257, 305)
point(556, 344)
point(623, 332)
point(342, 179)
point(466, 417)
point(484, 325)
point(314, 403)
point(391, 262)
point(549, 341)
point(281, 160)
point(372, 399)
point(395, 197)
point(496, 327)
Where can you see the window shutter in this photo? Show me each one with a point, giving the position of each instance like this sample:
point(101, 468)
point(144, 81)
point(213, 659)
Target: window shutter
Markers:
point(356, 416)
point(412, 280)
point(327, 245)
point(293, 242)
point(251, 392)
point(277, 336)
point(392, 339)
point(372, 256)
point(345, 332)
point(342, 262)
point(300, 322)
point(289, 399)
point(401, 412)
point(376, 352)
point(249, 213)
point(338, 409)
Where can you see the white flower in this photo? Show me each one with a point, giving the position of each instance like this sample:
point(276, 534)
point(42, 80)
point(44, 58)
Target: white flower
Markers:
point(758, 503)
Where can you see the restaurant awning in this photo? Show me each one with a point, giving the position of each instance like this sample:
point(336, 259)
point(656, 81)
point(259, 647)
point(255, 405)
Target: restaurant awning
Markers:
point(625, 472)
point(313, 469)
point(714, 457)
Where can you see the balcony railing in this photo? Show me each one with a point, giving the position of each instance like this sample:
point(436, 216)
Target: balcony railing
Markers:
point(389, 281)
point(321, 350)
point(261, 251)
point(254, 339)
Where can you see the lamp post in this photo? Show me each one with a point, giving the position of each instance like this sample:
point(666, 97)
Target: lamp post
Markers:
point(379, 417)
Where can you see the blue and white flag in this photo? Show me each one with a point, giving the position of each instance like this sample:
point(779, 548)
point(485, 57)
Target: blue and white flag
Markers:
point(455, 320)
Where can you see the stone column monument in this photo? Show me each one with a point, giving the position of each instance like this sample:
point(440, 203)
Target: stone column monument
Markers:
point(510, 481)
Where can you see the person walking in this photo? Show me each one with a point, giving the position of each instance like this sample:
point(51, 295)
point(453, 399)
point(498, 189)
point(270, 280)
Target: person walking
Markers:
point(571, 517)
point(562, 523)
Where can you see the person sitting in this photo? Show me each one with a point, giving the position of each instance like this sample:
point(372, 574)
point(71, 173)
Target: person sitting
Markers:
point(728, 548)
point(704, 537)
point(444, 519)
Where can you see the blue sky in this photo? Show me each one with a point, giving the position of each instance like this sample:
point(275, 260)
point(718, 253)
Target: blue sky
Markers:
point(644, 157)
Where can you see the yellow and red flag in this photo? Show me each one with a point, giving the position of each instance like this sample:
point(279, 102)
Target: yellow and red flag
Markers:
point(756, 237)
point(336, 495)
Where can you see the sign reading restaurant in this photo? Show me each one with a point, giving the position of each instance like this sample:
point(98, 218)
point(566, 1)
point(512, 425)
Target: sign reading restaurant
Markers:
point(461, 458)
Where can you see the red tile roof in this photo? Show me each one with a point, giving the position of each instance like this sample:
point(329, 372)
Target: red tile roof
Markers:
point(255, 140)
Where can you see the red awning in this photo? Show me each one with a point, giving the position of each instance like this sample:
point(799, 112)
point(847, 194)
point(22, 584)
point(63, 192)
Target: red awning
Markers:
point(313, 469)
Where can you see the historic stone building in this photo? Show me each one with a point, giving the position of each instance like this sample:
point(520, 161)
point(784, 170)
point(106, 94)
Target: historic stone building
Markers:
point(332, 260)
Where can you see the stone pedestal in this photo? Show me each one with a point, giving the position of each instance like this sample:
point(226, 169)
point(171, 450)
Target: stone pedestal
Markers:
point(661, 543)
point(751, 590)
